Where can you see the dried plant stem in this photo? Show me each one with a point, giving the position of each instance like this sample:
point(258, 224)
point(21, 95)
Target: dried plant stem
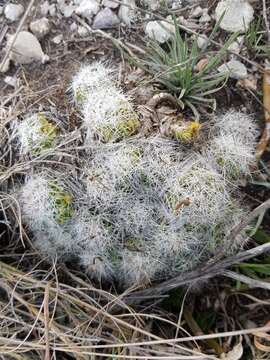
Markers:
point(266, 19)
point(252, 283)
point(212, 343)
point(262, 145)
point(46, 321)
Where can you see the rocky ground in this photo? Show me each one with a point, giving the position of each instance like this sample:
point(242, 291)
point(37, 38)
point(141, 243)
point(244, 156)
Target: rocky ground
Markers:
point(42, 44)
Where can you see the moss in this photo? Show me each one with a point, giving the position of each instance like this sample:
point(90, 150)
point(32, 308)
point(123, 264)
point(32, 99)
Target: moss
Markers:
point(136, 155)
point(106, 133)
point(49, 131)
point(126, 128)
point(171, 201)
point(188, 133)
point(114, 256)
point(134, 244)
point(232, 170)
point(123, 129)
point(80, 96)
point(63, 203)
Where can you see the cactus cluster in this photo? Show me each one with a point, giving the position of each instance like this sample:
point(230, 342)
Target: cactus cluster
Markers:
point(138, 209)
point(36, 133)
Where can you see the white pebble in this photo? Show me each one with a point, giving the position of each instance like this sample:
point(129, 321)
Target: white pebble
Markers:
point(57, 39)
point(82, 31)
point(235, 68)
point(127, 14)
point(160, 31)
point(40, 27)
point(88, 8)
point(110, 4)
point(202, 42)
point(25, 49)
point(237, 15)
point(13, 11)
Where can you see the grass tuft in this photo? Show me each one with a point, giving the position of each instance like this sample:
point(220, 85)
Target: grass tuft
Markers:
point(173, 66)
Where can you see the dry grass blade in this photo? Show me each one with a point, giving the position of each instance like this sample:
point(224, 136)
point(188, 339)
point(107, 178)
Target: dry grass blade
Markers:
point(262, 145)
point(40, 315)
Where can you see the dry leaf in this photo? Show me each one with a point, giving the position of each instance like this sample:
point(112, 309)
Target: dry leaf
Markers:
point(201, 65)
point(262, 340)
point(249, 83)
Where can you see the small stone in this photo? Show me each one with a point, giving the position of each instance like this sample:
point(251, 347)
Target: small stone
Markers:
point(160, 31)
point(110, 4)
point(25, 49)
point(202, 42)
point(57, 39)
point(88, 8)
point(105, 19)
point(249, 83)
point(68, 10)
point(44, 8)
point(127, 14)
point(1, 10)
point(196, 12)
point(188, 23)
point(237, 15)
point(40, 27)
point(177, 4)
point(153, 5)
point(11, 81)
point(52, 10)
point(61, 4)
point(236, 46)
point(82, 31)
point(235, 69)
point(205, 18)
point(73, 27)
point(13, 11)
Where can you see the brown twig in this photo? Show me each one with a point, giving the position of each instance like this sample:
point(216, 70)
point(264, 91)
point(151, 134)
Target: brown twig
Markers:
point(264, 141)
point(252, 283)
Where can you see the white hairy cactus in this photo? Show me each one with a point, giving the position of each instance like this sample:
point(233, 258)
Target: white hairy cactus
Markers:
point(196, 191)
point(89, 79)
point(236, 123)
point(35, 133)
point(92, 243)
point(140, 209)
point(45, 206)
point(232, 148)
point(109, 115)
